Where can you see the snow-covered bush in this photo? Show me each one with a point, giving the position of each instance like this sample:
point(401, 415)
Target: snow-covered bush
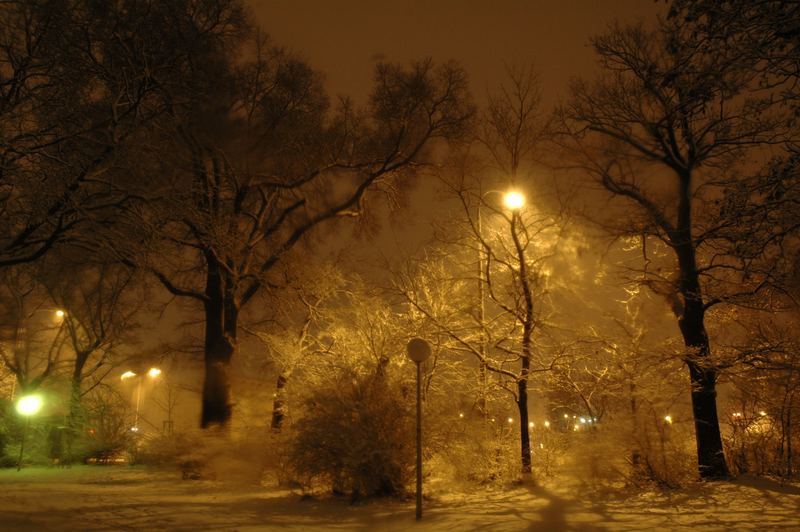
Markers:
point(663, 452)
point(483, 451)
point(356, 436)
point(103, 429)
point(754, 444)
point(166, 450)
point(612, 454)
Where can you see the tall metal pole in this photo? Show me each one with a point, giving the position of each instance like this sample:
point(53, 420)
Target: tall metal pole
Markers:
point(418, 351)
point(138, 400)
point(482, 318)
point(22, 444)
point(419, 442)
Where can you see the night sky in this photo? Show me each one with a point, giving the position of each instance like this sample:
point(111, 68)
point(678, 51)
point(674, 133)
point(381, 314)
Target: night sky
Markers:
point(343, 39)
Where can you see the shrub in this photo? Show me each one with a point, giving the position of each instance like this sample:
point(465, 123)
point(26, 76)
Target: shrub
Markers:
point(356, 436)
point(480, 453)
point(166, 450)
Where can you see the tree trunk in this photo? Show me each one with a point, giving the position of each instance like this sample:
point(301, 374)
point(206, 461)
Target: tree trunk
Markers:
point(527, 340)
point(710, 455)
point(75, 420)
point(279, 406)
point(789, 471)
point(524, 438)
point(221, 319)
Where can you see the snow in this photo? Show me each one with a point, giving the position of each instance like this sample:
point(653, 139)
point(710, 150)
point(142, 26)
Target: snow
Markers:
point(135, 498)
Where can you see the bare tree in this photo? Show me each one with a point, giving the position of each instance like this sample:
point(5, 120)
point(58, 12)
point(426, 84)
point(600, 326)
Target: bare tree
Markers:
point(515, 247)
point(292, 336)
point(662, 130)
point(98, 318)
point(263, 165)
point(78, 80)
point(514, 124)
point(33, 332)
point(509, 245)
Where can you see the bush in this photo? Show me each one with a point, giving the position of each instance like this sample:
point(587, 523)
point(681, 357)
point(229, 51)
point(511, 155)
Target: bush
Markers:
point(356, 436)
point(480, 453)
point(166, 450)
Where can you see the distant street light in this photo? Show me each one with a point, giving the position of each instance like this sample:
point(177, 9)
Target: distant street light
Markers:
point(28, 405)
point(418, 351)
point(59, 315)
point(153, 373)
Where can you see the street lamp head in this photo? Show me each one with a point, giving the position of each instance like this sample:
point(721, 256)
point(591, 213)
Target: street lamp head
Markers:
point(153, 373)
point(127, 375)
point(513, 200)
point(29, 405)
point(418, 350)
point(60, 314)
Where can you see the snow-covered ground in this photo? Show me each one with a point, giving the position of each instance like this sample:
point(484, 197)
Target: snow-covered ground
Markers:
point(132, 498)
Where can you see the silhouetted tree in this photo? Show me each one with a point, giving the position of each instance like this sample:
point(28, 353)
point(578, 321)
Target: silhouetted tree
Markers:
point(663, 129)
point(259, 161)
point(78, 79)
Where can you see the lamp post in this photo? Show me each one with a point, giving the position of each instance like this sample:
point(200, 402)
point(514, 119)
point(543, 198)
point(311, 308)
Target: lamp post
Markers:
point(513, 200)
point(28, 405)
point(513, 204)
point(418, 351)
point(58, 317)
point(152, 373)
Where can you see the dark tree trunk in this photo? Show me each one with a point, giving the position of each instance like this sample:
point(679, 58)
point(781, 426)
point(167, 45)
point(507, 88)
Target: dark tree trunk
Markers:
point(75, 420)
point(221, 318)
point(75, 390)
point(279, 406)
point(635, 452)
point(788, 430)
point(525, 438)
point(710, 456)
point(527, 335)
point(216, 390)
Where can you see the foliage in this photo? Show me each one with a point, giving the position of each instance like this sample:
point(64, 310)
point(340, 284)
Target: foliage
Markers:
point(485, 451)
point(356, 436)
point(165, 450)
point(103, 430)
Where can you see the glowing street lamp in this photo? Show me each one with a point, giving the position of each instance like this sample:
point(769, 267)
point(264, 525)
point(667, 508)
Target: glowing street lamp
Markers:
point(28, 405)
point(418, 351)
point(513, 200)
point(153, 373)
